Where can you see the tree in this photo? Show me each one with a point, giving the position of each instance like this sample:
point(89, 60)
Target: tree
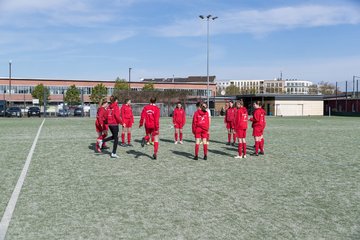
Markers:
point(72, 96)
point(326, 88)
point(313, 89)
point(148, 87)
point(121, 84)
point(232, 90)
point(38, 93)
point(98, 93)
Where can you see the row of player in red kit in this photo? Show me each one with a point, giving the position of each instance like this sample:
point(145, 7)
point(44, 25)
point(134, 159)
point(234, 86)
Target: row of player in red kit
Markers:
point(110, 117)
point(200, 126)
point(236, 122)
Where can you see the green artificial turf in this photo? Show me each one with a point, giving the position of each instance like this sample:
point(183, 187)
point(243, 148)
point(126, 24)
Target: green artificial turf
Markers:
point(305, 187)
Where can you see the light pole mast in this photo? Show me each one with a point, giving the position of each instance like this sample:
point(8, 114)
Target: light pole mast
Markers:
point(208, 18)
point(10, 63)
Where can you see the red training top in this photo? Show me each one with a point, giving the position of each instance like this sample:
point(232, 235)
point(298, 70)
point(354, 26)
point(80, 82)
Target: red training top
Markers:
point(258, 118)
point(230, 115)
point(241, 119)
point(126, 113)
point(200, 120)
point(151, 115)
point(113, 114)
point(179, 116)
point(101, 116)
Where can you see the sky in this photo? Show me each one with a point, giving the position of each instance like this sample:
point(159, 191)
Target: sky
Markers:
point(315, 40)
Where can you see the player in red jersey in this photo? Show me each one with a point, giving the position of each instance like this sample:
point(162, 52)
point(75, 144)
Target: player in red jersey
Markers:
point(200, 128)
point(241, 125)
point(258, 125)
point(113, 119)
point(128, 119)
point(229, 122)
point(151, 115)
point(100, 123)
point(179, 119)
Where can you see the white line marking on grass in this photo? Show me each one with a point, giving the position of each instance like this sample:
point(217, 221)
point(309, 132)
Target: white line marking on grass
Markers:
point(5, 221)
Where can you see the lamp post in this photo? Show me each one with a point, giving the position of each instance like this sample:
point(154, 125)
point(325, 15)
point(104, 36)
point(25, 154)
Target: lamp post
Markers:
point(129, 79)
point(10, 62)
point(207, 18)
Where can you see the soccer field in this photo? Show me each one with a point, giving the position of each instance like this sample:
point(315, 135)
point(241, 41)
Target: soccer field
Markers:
point(305, 187)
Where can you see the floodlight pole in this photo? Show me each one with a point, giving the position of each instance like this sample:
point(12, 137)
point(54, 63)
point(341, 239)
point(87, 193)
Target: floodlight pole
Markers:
point(208, 17)
point(129, 79)
point(10, 64)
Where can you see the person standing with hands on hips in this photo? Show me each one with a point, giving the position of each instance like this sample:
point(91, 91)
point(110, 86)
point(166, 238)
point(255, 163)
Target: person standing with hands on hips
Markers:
point(200, 128)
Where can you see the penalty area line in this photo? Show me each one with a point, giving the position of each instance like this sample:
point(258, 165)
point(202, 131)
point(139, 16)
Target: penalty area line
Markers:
point(6, 218)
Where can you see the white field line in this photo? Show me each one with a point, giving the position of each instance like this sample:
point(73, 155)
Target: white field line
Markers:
point(5, 221)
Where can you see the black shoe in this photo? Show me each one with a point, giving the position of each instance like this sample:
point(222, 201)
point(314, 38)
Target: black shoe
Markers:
point(130, 145)
point(205, 157)
point(228, 143)
point(262, 153)
point(254, 154)
point(123, 144)
point(154, 156)
point(233, 144)
point(143, 142)
point(196, 158)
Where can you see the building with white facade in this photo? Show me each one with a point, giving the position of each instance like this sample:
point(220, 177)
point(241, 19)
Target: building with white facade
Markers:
point(222, 85)
point(295, 86)
point(276, 86)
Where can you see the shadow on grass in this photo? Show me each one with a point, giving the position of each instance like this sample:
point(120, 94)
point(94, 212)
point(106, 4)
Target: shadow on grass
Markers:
point(166, 140)
point(220, 153)
point(190, 141)
point(184, 154)
point(138, 154)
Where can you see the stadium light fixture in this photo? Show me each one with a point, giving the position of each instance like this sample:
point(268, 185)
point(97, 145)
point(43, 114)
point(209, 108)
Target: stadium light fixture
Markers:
point(208, 17)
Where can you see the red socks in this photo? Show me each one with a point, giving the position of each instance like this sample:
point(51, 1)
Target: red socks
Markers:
point(181, 136)
point(244, 148)
point(122, 138)
point(262, 145)
point(205, 149)
point(197, 146)
point(257, 145)
point(240, 148)
point(234, 137)
point(229, 137)
point(176, 136)
point(156, 147)
point(129, 137)
point(147, 138)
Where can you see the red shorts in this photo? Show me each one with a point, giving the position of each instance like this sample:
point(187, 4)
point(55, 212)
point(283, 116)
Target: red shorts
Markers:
point(258, 131)
point(178, 125)
point(151, 131)
point(230, 125)
point(241, 133)
point(128, 123)
point(101, 129)
point(201, 133)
